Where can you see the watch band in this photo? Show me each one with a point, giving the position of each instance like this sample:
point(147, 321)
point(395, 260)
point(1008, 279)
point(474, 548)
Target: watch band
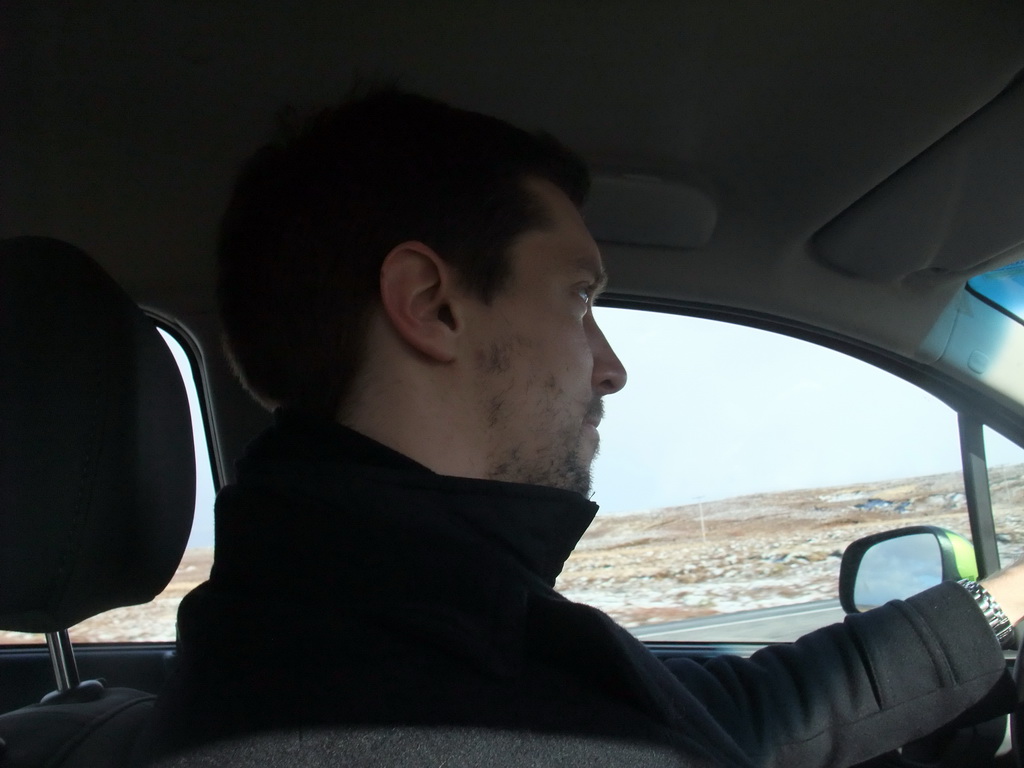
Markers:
point(1000, 624)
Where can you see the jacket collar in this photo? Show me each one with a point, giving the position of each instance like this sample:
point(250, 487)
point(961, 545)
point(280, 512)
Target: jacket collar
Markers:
point(378, 493)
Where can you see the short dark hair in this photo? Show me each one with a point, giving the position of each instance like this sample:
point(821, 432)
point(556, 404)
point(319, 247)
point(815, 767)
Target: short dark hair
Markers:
point(314, 213)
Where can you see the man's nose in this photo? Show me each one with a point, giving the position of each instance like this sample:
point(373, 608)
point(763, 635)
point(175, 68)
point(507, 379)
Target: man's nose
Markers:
point(609, 375)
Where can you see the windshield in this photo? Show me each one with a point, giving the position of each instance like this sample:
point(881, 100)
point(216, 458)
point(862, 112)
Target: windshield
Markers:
point(1003, 288)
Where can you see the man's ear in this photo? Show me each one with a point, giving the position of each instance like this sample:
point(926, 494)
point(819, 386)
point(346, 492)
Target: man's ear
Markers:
point(416, 292)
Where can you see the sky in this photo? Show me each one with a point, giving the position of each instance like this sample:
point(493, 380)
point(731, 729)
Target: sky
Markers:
point(713, 410)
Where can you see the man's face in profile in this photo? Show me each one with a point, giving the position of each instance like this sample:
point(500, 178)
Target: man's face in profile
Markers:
point(543, 364)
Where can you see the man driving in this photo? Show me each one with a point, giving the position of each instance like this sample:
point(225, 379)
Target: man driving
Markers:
point(409, 287)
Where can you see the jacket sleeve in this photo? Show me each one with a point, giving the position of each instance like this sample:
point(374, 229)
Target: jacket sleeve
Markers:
point(851, 691)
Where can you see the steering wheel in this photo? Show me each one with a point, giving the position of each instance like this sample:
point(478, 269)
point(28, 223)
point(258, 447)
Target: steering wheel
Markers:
point(1017, 716)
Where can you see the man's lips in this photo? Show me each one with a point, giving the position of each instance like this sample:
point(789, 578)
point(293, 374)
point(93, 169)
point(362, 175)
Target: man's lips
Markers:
point(594, 414)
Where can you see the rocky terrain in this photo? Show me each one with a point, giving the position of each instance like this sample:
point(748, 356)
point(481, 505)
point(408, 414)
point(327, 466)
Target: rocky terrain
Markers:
point(663, 565)
point(765, 549)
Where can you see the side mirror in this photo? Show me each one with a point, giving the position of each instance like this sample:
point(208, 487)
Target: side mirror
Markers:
point(897, 564)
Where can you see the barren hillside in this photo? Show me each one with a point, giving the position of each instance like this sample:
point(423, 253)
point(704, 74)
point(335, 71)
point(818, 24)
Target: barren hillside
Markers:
point(765, 549)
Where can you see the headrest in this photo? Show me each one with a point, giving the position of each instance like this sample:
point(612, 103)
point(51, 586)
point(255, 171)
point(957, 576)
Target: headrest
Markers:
point(97, 467)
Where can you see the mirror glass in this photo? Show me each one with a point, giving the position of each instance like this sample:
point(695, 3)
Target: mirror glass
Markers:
point(897, 568)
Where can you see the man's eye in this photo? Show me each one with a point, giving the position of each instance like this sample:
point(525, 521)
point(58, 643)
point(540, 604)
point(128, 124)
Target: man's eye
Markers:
point(585, 292)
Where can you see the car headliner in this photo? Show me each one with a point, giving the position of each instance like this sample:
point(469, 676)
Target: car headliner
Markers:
point(743, 134)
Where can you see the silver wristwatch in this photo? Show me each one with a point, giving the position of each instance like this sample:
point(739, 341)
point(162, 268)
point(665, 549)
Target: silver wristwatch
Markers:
point(1000, 624)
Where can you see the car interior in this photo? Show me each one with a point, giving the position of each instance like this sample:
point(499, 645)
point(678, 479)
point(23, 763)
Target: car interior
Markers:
point(845, 174)
point(106, 511)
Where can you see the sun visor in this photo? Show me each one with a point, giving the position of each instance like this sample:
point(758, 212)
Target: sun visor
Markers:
point(956, 208)
point(647, 211)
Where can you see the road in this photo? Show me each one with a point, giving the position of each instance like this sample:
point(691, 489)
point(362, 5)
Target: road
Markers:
point(783, 623)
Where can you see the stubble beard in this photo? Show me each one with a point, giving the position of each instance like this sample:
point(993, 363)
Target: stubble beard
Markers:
point(555, 459)
point(560, 466)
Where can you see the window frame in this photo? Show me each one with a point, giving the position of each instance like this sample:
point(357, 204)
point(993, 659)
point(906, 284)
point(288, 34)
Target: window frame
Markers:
point(194, 355)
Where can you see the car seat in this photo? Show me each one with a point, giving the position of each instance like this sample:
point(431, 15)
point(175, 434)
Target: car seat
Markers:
point(97, 485)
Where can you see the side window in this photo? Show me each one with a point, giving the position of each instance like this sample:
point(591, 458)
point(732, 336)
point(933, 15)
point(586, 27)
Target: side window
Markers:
point(155, 621)
point(737, 465)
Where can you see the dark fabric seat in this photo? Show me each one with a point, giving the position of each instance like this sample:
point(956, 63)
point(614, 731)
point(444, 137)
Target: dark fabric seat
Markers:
point(97, 485)
point(92, 725)
point(411, 747)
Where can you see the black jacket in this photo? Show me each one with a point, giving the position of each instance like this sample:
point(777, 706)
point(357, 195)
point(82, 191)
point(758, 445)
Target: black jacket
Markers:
point(352, 586)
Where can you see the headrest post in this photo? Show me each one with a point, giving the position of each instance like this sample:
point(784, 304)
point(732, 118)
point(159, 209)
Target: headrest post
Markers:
point(63, 658)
